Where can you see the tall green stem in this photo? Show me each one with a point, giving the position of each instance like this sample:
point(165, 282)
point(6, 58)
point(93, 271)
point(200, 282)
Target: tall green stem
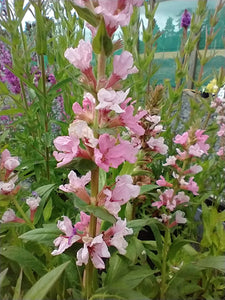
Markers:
point(164, 264)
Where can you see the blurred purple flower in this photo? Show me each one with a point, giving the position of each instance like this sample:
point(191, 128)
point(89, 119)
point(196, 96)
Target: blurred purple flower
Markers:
point(185, 19)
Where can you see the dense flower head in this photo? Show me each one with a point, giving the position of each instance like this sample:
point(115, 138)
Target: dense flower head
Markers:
point(8, 162)
point(157, 145)
point(185, 19)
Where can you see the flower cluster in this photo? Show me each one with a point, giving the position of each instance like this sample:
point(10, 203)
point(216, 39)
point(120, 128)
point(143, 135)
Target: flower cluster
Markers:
point(185, 19)
point(91, 137)
point(193, 146)
point(5, 74)
point(219, 104)
point(8, 178)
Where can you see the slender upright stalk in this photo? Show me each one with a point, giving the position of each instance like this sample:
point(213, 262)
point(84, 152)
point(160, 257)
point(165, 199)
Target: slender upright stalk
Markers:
point(164, 264)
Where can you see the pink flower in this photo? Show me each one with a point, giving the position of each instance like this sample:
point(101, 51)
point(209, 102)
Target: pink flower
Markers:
point(124, 190)
point(181, 139)
point(96, 249)
point(111, 155)
point(194, 169)
point(10, 216)
point(70, 148)
point(163, 182)
point(157, 145)
point(221, 151)
point(221, 132)
point(181, 198)
point(81, 56)
point(79, 129)
point(170, 161)
point(117, 233)
point(110, 99)
point(191, 185)
point(8, 162)
point(87, 112)
point(33, 202)
point(122, 66)
point(77, 185)
point(7, 187)
point(116, 13)
point(64, 242)
point(84, 222)
point(166, 199)
point(80, 3)
point(131, 121)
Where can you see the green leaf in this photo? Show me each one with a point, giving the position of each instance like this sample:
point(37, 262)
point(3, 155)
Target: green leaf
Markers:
point(127, 168)
point(11, 112)
point(147, 188)
point(2, 276)
point(81, 165)
point(47, 210)
point(102, 179)
point(43, 285)
point(86, 14)
point(101, 213)
point(41, 37)
point(177, 245)
point(102, 41)
point(59, 85)
point(23, 257)
point(3, 89)
point(214, 262)
point(45, 235)
point(17, 291)
point(45, 190)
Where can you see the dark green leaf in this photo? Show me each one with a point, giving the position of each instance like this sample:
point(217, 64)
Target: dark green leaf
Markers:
point(86, 14)
point(23, 257)
point(43, 285)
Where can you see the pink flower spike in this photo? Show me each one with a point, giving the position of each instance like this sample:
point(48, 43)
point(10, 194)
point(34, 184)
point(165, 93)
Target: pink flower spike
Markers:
point(163, 182)
point(221, 132)
point(64, 242)
point(221, 151)
point(181, 139)
point(110, 99)
point(157, 145)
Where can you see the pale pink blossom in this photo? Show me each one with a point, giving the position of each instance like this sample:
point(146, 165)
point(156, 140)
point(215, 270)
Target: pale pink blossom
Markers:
point(116, 13)
point(163, 182)
point(195, 169)
point(112, 206)
point(181, 198)
point(77, 185)
point(166, 199)
point(87, 112)
point(182, 155)
point(111, 154)
point(10, 216)
point(200, 136)
point(179, 217)
point(170, 161)
point(33, 202)
point(157, 145)
point(110, 99)
point(221, 132)
point(65, 241)
point(8, 162)
point(96, 249)
point(122, 67)
point(79, 129)
point(191, 185)
point(181, 139)
point(80, 3)
point(221, 151)
point(82, 225)
point(81, 56)
point(7, 187)
point(119, 230)
point(69, 147)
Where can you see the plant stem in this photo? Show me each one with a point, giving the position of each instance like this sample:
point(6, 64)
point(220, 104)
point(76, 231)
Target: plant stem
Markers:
point(19, 208)
point(164, 263)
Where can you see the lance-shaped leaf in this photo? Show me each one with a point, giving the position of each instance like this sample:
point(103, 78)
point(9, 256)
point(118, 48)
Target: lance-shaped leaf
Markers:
point(43, 285)
point(86, 14)
point(102, 42)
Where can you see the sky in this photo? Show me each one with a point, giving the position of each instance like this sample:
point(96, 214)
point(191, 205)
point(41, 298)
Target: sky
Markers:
point(166, 9)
